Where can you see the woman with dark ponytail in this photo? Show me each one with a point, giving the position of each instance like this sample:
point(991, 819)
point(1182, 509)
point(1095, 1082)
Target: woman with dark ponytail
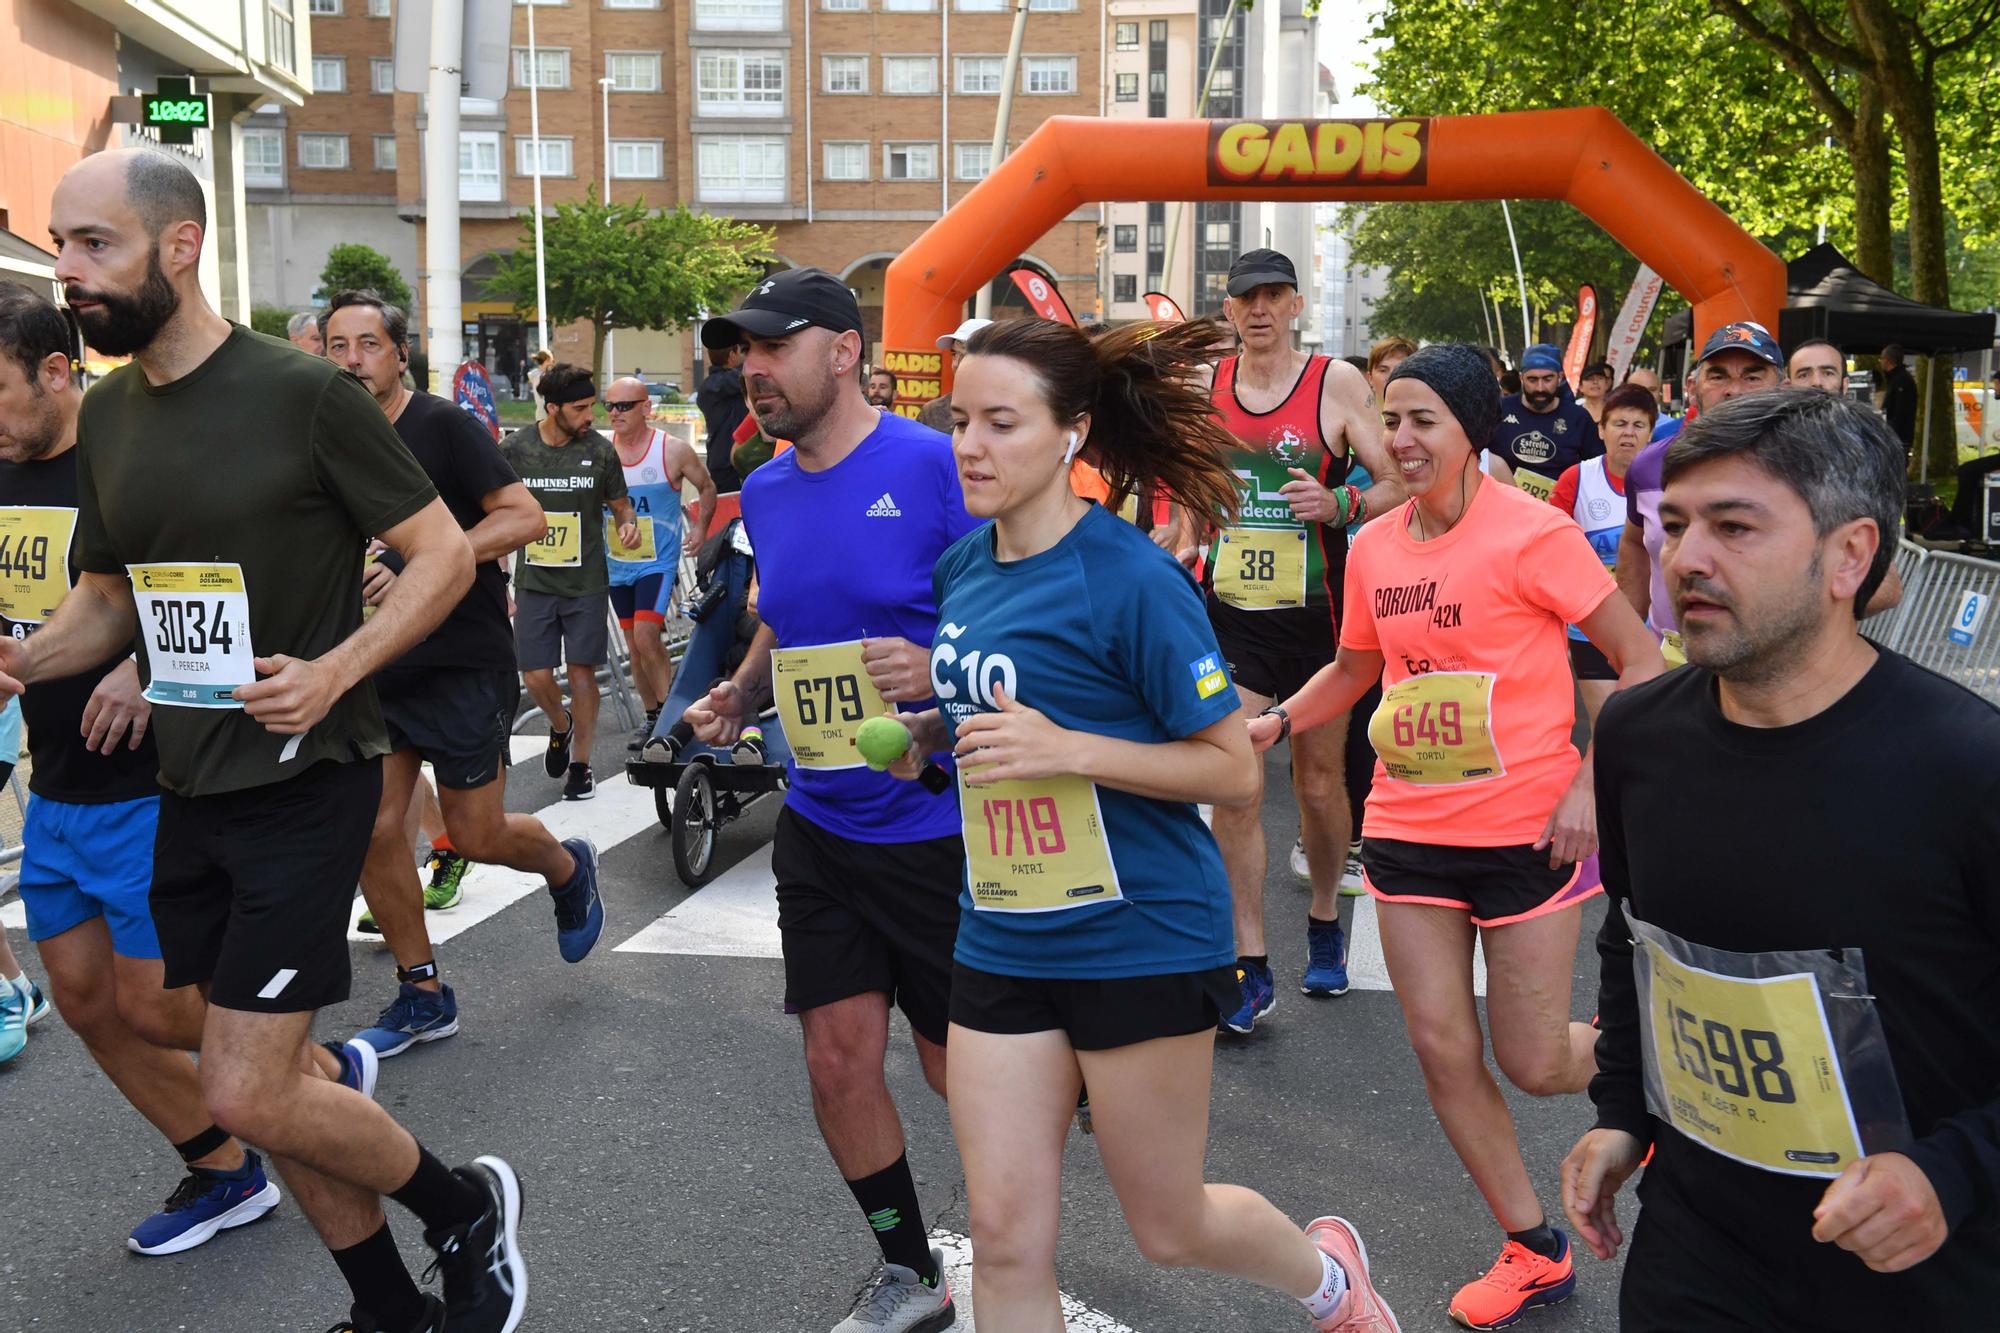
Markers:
point(1090, 711)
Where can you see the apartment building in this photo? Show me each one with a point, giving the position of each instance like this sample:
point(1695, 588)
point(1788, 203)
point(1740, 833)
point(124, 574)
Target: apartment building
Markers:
point(63, 61)
point(847, 126)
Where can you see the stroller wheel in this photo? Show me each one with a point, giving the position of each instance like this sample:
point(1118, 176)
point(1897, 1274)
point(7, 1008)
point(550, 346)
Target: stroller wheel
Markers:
point(696, 822)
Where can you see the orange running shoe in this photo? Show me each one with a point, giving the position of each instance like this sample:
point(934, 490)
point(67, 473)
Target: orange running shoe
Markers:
point(1362, 1309)
point(1519, 1282)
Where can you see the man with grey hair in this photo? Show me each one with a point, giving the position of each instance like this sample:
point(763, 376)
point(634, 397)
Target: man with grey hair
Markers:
point(304, 331)
point(1825, 1066)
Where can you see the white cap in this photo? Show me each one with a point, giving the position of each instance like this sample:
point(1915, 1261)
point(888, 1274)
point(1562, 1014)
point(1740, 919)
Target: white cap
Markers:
point(961, 333)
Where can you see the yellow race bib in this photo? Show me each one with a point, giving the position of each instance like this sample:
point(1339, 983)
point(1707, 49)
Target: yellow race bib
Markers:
point(1672, 648)
point(1437, 729)
point(561, 547)
point(645, 551)
point(1534, 483)
point(1036, 846)
point(1261, 569)
point(34, 561)
point(824, 695)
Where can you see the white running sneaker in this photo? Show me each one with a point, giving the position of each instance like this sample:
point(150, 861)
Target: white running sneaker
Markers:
point(894, 1301)
point(1350, 877)
point(1299, 866)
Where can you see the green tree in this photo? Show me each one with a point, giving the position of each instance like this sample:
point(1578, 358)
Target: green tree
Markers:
point(353, 266)
point(270, 319)
point(644, 269)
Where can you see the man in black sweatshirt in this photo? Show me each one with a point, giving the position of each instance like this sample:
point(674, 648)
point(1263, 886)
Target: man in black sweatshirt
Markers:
point(1799, 837)
point(720, 399)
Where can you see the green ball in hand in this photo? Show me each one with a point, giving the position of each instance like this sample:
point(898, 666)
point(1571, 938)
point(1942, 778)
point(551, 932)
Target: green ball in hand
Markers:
point(882, 741)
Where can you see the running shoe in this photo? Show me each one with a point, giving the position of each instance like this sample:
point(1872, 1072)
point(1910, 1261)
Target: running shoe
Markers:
point(1516, 1284)
point(1350, 875)
point(14, 1004)
point(579, 911)
point(485, 1279)
point(556, 758)
point(580, 785)
point(447, 871)
point(895, 1300)
point(417, 1015)
point(1326, 961)
point(38, 1003)
point(360, 1321)
point(1362, 1309)
point(1084, 1121)
point(1300, 867)
point(1259, 993)
point(204, 1203)
point(358, 1064)
point(644, 730)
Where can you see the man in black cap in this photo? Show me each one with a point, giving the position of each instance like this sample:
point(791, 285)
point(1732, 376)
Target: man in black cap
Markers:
point(720, 399)
point(847, 525)
point(1273, 583)
point(1899, 395)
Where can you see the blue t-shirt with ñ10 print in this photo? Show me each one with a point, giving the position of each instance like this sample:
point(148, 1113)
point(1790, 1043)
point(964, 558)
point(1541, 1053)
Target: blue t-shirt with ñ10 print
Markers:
point(1104, 633)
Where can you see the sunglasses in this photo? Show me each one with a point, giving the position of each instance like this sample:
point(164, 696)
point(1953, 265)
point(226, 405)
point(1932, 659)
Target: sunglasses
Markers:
point(613, 406)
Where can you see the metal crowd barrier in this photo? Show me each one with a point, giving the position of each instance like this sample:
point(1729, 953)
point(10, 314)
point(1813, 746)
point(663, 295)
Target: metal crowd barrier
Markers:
point(1948, 621)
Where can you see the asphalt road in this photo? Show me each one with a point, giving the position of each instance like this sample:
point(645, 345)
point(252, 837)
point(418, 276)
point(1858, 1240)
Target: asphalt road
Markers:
point(654, 1103)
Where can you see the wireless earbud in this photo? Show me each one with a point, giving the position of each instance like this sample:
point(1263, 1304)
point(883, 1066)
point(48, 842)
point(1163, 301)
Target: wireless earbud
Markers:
point(1069, 454)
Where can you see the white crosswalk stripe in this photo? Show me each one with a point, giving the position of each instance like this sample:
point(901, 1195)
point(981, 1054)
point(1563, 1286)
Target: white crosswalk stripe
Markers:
point(1077, 1317)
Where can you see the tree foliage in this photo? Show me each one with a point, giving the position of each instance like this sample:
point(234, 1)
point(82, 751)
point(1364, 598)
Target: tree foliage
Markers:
point(270, 319)
point(357, 267)
point(625, 263)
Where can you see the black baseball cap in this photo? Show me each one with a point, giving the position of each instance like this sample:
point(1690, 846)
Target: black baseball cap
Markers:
point(784, 303)
point(1261, 268)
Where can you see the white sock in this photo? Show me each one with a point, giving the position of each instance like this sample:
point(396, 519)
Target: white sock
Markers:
point(1322, 1303)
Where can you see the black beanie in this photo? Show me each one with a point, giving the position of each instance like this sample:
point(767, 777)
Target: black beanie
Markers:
point(1463, 377)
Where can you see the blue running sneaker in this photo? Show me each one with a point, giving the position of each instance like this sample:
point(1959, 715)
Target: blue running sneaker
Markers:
point(579, 911)
point(417, 1015)
point(38, 1003)
point(1326, 960)
point(1260, 993)
point(358, 1064)
point(13, 1020)
point(203, 1204)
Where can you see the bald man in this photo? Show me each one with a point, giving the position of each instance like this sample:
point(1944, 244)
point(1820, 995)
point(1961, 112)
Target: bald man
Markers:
point(642, 578)
point(225, 489)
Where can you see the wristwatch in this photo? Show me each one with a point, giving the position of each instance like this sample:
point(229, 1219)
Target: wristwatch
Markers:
point(1284, 720)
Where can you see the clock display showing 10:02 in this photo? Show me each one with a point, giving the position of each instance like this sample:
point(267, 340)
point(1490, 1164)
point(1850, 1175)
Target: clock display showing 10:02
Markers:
point(177, 111)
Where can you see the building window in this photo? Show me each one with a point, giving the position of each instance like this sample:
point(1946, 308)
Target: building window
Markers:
point(844, 6)
point(971, 161)
point(740, 15)
point(980, 75)
point(323, 152)
point(908, 6)
point(385, 152)
point(979, 6)
point(479, 167)
point(909, 161)
point(378, 9)
point(381, 74)
point(551, 67)
point(329, 74)
point(539, 4)
point(1156, 68)
point(636, 159)
point(281, 35)
point(1128, 87)
point(1048, 74)
point(845, 74)
point(911, 75)
point(1127, 36)
point(638, 71)
point(1125, 239)
point(741, 169)
point(557, 159)
point(631, 4)
point(1124, 286)
point(264, 159)
point(738, 83)
point(846, 161)
point(323, 8)
point(1050, 6)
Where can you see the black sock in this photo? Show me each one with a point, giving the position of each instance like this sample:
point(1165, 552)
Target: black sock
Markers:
point(437, 1196)
point(381, 1284)
point(889, 1201)
point(1260, 961)
point(201, 1145)
point(1314, 923)
point(1541, 1238)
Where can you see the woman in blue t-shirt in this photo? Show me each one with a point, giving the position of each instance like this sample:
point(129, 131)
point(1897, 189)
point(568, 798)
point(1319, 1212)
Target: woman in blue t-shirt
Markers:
point(1081, 688)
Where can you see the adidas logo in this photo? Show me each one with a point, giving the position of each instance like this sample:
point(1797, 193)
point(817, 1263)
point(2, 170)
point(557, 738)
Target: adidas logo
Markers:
point(884, 508)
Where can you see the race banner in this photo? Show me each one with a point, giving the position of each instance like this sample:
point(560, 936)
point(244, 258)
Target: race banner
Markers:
point(1313, 154)
point(1043, 298)
point(474, 392)
point(919, 376)
point(1633, 317)
point(1162, 308)
point(1578, 353)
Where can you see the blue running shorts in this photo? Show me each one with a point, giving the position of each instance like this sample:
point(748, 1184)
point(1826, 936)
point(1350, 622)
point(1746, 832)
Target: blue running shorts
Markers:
point(84, 861)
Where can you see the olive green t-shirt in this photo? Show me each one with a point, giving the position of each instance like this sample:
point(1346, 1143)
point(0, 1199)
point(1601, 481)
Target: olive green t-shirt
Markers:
point(574, 484)
point(238, 499)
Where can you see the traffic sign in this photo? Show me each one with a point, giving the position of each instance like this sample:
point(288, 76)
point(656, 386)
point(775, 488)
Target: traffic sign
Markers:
point(473, 391)
point(1966, 620)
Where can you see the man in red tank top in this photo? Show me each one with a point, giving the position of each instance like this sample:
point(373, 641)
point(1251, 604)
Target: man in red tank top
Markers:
point(1273, 584)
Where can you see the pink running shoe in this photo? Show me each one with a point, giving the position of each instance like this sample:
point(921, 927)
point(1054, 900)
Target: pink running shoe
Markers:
point(1362, 1310)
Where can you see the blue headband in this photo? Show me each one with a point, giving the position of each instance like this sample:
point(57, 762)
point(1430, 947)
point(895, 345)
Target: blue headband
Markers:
point(1541, 356)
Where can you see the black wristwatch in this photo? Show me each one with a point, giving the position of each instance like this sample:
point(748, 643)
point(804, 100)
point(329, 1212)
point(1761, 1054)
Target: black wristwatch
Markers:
point(1284, 720)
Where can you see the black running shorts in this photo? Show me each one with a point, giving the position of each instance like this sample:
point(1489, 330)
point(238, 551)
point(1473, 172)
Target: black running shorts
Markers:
point(1094, 1015)
point(1589, 662)
point(1276, 678)
point(857, 917)
point(1497, 885)
point(252, 889)
point(457, 719)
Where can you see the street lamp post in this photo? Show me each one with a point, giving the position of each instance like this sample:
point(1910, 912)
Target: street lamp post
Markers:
point(604, 84)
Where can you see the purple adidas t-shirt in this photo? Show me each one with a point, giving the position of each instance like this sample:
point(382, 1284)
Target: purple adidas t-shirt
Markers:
point(1642, 506)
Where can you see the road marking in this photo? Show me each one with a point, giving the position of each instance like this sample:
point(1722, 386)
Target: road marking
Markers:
point(735, 915)
point(14, 915)
point(1368, 970)
point(1077, 1317)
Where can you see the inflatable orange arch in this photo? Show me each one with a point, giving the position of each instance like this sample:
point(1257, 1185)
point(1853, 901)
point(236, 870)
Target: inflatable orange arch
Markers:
point(1583, 154)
